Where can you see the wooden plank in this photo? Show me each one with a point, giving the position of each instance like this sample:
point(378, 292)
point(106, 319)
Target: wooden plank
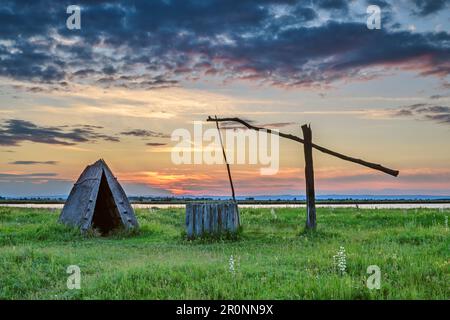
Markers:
point(237, 221)
point(309, 178)
point(215, 219)
point(206, 216)
point(189, 221)
point(226, 209)
point(211, 218)
point(232, 217)
point(198, 212)
point(223, 219)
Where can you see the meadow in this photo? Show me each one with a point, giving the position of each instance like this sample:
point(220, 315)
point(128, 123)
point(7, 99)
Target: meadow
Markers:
point(273, 257)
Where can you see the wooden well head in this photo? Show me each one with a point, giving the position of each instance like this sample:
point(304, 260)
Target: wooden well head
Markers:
point(211, 218)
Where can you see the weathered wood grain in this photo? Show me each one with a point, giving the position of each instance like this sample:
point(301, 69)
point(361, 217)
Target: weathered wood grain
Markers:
point(309, 178)
point(211, 218)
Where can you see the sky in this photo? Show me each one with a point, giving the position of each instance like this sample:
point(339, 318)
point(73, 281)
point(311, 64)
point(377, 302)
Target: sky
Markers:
point(136, 71)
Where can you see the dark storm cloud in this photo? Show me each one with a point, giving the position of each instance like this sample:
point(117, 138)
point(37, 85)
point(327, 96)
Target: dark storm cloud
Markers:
point(31, 162)
point(439, 114)
point(15, 131)
point(158, 44)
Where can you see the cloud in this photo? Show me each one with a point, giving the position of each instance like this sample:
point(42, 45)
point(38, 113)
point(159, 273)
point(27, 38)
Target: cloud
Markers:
point(436, 113)
point(437, 96)
point(381, 3)
point(428, 7)
point(27, 177)
point(29, 162)
point(155, 144)
point(341, 5)
point(273, 125)
point(160, 44)
point(15, 131)
point(145, 133)
point(278, 124)
point(33, 184)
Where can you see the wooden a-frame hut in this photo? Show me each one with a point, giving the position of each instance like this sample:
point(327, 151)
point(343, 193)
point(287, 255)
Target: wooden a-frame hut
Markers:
point(98, 201)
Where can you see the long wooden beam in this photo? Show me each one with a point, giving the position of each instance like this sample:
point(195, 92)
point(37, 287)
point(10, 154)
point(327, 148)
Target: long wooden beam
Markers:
point(371, 165)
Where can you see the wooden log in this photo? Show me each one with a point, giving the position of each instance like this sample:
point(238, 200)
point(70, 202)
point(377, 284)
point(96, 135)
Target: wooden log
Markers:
point(211, 218)
point(309, 178)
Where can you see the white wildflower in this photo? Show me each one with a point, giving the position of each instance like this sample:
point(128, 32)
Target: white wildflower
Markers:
point(340, 261)
point(272, 212)
point(231, 265)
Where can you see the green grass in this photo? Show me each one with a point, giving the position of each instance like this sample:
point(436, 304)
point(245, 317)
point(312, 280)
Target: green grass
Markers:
point(274, 257)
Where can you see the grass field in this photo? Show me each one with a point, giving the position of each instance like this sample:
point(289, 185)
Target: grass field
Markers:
point(273, 258)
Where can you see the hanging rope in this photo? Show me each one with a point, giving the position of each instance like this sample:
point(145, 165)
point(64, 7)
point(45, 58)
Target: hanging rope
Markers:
point(226, 161)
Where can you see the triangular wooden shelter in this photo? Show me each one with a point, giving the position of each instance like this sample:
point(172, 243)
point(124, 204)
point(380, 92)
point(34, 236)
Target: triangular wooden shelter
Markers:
point(98, 201)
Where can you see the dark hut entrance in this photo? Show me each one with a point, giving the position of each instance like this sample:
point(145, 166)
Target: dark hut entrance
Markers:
point(106, 216)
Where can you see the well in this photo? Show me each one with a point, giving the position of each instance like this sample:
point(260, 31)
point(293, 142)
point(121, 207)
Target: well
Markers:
point(211, 218)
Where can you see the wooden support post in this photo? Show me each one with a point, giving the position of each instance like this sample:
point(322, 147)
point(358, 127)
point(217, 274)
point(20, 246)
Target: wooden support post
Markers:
point(309, 178)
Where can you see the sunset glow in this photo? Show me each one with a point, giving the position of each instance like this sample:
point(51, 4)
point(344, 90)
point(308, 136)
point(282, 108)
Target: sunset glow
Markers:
point(118, 90)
